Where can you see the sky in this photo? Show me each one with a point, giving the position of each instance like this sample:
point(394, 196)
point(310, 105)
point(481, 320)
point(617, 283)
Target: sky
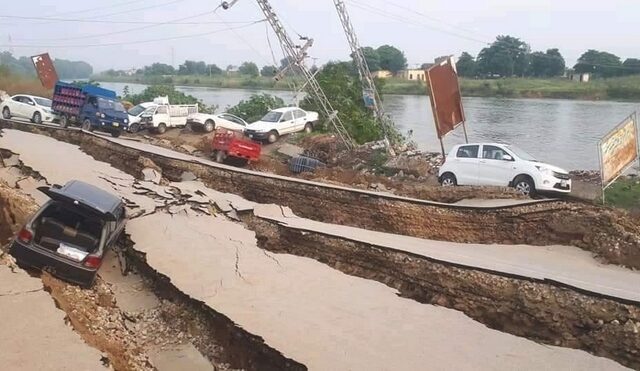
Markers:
point(171, 31)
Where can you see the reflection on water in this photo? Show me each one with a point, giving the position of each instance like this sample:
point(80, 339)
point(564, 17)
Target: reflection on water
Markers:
point(562, 132)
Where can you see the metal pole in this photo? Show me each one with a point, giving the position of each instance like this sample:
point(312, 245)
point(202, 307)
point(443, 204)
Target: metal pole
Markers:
point(464, 128)
point(442, 147)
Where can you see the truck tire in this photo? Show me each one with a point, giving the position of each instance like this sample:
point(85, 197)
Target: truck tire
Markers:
point(209, 126)
point(64, 121)
point(116, 133)
point(161, 129)
point(220, 156)
point(6, 113)
point(86, 125)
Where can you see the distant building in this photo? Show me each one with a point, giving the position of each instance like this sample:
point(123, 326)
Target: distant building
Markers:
point(580, 77)
point(131, 72)
point(382, 74)
point(413, 75)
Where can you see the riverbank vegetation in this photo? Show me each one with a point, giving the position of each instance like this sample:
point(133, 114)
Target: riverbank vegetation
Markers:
point(14, 83)
point(625, 194)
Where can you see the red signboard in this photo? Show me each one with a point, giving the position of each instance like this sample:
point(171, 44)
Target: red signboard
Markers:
point(446, 100)
point(46, 70)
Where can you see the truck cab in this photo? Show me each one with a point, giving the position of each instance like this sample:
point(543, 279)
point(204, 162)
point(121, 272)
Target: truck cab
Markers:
point(164, 115)
point(92, 107)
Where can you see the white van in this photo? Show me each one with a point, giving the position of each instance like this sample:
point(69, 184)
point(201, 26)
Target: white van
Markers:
point(165, 115)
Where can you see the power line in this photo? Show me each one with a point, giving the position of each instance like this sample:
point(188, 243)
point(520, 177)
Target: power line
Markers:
point(116, 21)
point(129, 29)
point(54, 20)
point(135, 42)
point(100, 7)
point(387, 14)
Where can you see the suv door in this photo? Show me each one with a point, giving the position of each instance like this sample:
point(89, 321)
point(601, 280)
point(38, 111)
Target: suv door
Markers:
point(466, 164)
point(497, 166)
point(287, 123)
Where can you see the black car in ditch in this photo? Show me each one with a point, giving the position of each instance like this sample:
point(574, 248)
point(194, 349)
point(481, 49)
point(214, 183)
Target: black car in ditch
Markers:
point(70, 234)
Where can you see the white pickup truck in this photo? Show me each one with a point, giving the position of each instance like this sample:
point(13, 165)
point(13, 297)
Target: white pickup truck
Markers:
point(165, 115)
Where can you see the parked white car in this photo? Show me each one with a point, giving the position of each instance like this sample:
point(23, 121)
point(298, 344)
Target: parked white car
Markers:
point(210, 122)
point(494, 164)
point(281, 121)
point(36, 109)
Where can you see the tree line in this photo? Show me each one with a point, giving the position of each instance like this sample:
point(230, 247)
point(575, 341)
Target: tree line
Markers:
point(66, 69)
point(509, 56)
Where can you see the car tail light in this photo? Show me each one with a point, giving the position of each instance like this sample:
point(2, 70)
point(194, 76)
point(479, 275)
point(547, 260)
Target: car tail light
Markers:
point(25, 235)
point(92, 261)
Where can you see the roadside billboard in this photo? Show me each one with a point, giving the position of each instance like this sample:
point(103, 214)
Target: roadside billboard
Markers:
point(446, 100)
point(46, 71)
point(618, 150)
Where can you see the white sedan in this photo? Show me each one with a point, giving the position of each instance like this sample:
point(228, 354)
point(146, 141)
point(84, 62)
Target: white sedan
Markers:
point(36, 109)
point(281, 121)
point(494, 164)
point(210, 122)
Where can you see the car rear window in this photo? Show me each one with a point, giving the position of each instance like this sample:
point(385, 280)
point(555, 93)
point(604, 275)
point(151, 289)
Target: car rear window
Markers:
point(468, 152)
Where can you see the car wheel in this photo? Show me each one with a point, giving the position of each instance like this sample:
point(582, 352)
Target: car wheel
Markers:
point(116, 133)
point(6, 113)
point(524, 185)
point(37, 118)
point(448, 180)
point(308, 128)
point(273, 136)
point(161, 129)
point(64, 121)
point(134, 128)
point(86, 125)
point(209, 126)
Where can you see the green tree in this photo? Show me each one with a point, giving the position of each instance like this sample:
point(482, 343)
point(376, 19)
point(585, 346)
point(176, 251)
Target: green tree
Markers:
point(632, 66)
point(256, 106)
point(249, 69)
point(213, 69)
point(507, 56)
point(269, 71)
point(549, 64)
point(466, 65)
point(372, 57)
point(193, 68)
point(159, 69)
point(125, 91)
point(342, 85)
point(601, 64)
point(391, 58)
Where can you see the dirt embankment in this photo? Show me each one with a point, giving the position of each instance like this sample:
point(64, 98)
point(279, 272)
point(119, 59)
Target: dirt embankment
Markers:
point(611, 235)
point(15, 209)
point(535, 310)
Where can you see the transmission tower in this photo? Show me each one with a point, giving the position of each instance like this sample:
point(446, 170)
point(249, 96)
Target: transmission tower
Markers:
point(296, 55)
point(368, 84)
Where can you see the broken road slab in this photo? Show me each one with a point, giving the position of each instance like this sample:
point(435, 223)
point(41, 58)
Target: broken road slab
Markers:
point(33, 335)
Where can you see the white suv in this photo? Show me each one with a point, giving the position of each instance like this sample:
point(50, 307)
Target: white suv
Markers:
point(494, 164)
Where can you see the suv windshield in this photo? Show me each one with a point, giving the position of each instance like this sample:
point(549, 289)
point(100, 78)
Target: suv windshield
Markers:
point(272, 116)
point(135, 111)
point(521, 153)
point(110, 105)
point(43, 102)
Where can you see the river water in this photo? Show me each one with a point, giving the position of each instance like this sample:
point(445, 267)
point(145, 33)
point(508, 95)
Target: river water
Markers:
point(562, 132)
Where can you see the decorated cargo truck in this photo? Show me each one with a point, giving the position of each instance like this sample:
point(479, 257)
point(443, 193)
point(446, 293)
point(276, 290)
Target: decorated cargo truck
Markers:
point(92, 107)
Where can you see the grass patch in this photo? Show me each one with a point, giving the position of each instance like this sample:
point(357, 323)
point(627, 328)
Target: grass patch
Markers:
point(19, 84)
point(625, 194)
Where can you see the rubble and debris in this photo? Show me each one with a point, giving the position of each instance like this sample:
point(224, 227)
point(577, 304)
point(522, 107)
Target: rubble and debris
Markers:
point(290, 150)
point(151, 175)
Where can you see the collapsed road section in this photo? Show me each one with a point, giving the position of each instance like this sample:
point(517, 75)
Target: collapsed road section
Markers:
point(609, 234)
point(321, 318)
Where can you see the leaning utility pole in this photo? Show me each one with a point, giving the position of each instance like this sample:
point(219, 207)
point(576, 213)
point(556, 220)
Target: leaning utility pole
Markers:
point(368, 84)
point(296, 55)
